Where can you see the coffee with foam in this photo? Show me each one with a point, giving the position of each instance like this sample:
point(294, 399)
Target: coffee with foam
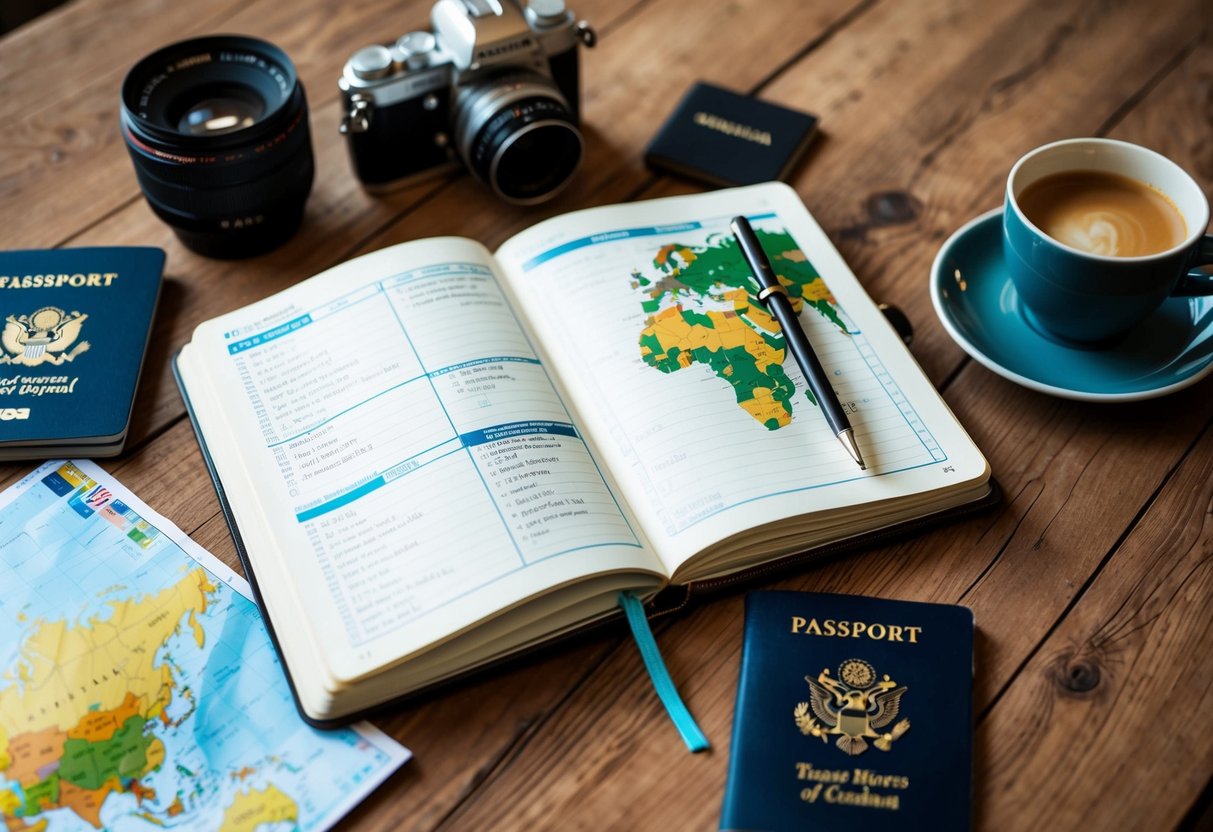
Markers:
point(1103, 213)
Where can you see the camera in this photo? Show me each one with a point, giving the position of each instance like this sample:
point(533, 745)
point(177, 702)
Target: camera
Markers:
point(494, 86)
point(217, 130)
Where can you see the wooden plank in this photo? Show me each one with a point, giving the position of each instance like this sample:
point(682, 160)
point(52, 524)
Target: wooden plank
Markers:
point(625, 113)
point(925, 96)
point(1116, 695)
point(342, 215)
point(339, 211)
point(553, 781)
point(1108, 444)
point(920, 130)
point(71, 146)
point(1107, 699)
point(460, 737)
point(1057, 461)
point(48, 60)
point(1018, 568)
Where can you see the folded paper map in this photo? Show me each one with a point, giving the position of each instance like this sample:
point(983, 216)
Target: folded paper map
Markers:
point(138, 683)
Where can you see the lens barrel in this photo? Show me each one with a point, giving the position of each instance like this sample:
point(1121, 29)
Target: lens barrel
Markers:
point(517, 135)
point(217, 129)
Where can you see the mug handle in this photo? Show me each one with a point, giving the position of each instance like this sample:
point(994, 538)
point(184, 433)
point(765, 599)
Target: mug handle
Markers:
point(1196, 283)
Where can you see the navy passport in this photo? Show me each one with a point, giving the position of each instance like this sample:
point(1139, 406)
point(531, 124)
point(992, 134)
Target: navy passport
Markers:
point(852, 713)
point(74, 325)
point(724, 138)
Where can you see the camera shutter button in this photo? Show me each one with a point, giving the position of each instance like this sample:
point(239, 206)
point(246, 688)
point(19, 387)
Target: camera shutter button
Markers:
point(545, 13)
point(371, 62)
point(417, 48)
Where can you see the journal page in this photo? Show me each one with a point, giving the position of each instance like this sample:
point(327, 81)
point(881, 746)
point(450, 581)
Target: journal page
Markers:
point(389, 433)
point(648, 313)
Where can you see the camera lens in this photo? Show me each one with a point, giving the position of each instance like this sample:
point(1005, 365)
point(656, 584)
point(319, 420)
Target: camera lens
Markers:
point(217, 130)
point(222, 111)
point(517, 135)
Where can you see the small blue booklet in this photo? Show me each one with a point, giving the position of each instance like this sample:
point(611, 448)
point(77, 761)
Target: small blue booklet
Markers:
point(74, 325)
point(852, 713)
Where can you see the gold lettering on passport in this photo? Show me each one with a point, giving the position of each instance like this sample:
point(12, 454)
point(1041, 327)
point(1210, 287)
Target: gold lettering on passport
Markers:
point(828, 786)
point(98, 280)
point(853, 708)
point(732, 128)
point(831, 628)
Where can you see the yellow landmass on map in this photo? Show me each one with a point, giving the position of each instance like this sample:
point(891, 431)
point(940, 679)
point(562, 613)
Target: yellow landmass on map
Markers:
point(727, 332)
point(84, 686)
point(250, 809)
point(765, 406)
point(199, 633)
point(70, 670)
point(663, 255)
point(757, 315)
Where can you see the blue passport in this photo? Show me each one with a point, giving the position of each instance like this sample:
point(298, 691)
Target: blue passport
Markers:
point(74, 326)
point(852, 713)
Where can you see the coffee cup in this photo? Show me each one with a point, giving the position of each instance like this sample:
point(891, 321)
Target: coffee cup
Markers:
point(1111, 230)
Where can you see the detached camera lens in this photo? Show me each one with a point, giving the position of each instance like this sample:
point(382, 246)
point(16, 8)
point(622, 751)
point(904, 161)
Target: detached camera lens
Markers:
point(517, 135)
point(217, 130)
point(222, 111)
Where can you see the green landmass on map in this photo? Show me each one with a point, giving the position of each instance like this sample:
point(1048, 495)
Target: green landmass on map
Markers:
point(702, 307)
point(70, 744)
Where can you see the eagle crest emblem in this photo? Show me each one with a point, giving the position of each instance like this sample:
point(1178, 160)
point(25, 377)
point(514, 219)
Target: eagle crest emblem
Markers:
point(44, 336)
point(854, 707)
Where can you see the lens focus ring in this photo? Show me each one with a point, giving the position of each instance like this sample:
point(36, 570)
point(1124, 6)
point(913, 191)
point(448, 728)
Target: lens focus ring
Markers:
point(516, 134)
point(221, 203)
point(529, 152)
point(217, 130)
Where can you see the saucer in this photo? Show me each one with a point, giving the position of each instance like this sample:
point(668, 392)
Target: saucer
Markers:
point(980, 309)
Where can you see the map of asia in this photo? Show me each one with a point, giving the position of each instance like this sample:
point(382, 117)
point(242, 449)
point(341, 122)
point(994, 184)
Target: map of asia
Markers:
point(139, 689)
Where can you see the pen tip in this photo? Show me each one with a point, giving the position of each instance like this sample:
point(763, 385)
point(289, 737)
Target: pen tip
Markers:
point(847, 438)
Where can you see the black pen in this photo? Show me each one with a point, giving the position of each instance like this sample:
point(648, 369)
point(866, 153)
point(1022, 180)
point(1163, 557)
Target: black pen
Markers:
point(775, 297)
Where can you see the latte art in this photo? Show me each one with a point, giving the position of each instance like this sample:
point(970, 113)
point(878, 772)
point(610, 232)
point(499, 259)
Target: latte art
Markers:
point(1101, 232)
point(1103, 213)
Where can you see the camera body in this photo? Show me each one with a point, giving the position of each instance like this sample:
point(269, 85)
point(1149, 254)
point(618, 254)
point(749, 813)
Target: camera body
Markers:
point(416, 107)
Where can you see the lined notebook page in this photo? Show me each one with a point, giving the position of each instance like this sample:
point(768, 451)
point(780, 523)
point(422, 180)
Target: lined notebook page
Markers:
point(649, 316)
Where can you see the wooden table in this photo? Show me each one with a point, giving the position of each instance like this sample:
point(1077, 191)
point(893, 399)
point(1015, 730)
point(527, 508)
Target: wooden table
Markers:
point(1092, 583)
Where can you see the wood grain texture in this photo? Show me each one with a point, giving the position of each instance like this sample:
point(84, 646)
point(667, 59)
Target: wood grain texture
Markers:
point(1102, 727)
point(1018, 569)
point(1090, 583)
point(350, 222)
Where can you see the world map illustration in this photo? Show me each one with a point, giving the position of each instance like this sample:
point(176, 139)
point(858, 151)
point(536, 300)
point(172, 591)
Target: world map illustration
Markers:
point(138, 690)
point(701, 307)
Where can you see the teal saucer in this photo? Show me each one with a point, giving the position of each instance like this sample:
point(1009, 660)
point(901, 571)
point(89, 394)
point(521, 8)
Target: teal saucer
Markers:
point(980, 309)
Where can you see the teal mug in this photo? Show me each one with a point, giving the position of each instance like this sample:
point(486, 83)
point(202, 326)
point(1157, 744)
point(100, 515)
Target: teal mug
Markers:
point(1093, 299)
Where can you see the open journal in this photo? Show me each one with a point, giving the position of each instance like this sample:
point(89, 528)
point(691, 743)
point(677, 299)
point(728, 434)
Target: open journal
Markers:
point(434, 456)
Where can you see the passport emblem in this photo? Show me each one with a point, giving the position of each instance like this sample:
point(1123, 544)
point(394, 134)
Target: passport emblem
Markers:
point(44, 336)
point(853, 707)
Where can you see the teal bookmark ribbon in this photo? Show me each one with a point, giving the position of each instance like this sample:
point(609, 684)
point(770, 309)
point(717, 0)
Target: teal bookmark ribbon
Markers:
point(662, 683)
